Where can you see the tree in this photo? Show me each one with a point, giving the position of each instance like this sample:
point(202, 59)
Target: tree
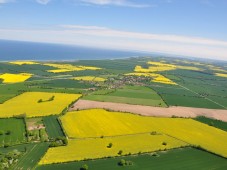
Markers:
point(164, 143)
point(8, 132)
point(6, 145)
point(211, 124)
point(65, 141)
point(120, 152)
point(53, 144)
point(110, 145)
point(155, 154)
point(40, 101)
point(122, 162)
point(154, 133)
point(1, 132)
point(52, 98)
point(84, 167)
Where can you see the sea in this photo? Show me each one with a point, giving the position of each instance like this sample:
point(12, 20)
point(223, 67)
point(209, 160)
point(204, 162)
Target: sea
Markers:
point(21, 50)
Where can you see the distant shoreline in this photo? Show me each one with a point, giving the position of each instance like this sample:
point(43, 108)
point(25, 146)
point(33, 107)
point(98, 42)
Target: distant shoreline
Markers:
point(32, 51)
point(71, 60)
point(36, 51)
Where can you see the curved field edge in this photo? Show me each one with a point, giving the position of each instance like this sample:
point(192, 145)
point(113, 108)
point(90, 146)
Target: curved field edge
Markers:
point(172, 159)
point(94, 148)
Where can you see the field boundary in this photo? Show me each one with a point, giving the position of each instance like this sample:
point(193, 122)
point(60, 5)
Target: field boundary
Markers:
point(173, 111)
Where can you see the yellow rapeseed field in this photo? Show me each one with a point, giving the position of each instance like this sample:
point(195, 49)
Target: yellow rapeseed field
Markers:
point(98, 122)
point(89, 78)
point(221, 75)
point(162, 79)
point(27, 103)
point(160, 66)
point(81, 149)
point(69, 67)
point(142, 74)
point(23, 62)
point(153, 69)
point(173, 66)
point(14, 78)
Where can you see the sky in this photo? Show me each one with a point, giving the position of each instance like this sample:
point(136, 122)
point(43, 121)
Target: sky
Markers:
point(194, 28)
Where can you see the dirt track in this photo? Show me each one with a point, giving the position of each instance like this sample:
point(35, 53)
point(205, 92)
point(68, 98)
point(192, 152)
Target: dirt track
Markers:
point(153, 111)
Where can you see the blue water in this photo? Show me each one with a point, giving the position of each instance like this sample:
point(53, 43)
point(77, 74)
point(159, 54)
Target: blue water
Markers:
point(18, 50)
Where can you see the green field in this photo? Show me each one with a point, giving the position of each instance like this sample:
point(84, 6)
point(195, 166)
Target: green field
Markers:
point(53, 127)
point(212, 122)
point(130, 95)
point(12, 131)
point(179, 96)
point(66, 83)
point(196, 89)
point(31, 156)
point(188, 158)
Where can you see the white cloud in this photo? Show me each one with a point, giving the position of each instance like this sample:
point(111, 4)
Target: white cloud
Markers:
point(44, 2)
point(116, 39)
point(103, 31)
point(125, 3)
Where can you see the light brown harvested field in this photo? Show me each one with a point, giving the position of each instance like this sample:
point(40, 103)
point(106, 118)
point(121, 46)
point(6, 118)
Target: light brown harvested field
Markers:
point(153, 111)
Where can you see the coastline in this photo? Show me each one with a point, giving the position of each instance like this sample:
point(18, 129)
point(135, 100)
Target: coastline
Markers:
point(72, 60)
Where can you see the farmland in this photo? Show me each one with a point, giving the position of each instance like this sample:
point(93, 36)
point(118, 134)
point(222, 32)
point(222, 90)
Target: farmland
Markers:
point(221, 75)
point(34, 104)
point(14, 78)
point(130, 95)
point(89, 78)
point(68, 68)
point(31, 156)
point(12, 131)
point(181, 96)
point(8, 91)
point(49, 131)
point(190, 131)
point(172, 111)
point(213, 122)
point(173, 159)
point(23, 62)
point(82, 149)
point(52, 126)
